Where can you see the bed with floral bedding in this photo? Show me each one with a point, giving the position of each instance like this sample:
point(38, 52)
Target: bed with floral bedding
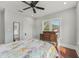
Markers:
point(32, 48)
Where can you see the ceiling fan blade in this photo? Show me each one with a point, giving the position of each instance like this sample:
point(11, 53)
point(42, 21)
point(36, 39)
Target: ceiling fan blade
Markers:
point(35, 2)
point(26, 8)
point(20, 11)
point(26, 2)
point(40, 8)
point(34, 10)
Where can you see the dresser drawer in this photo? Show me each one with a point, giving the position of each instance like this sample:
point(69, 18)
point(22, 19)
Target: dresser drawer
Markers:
point(49, 36)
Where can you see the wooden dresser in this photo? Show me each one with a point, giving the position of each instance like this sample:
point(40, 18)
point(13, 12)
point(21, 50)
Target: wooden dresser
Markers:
point(48, 36)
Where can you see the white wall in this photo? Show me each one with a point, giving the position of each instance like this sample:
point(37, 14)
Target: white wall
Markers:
point(28, 24)
point(38, 28)
point(9, 19)
point(77, 23)
point(2, 26)
point(67, 28)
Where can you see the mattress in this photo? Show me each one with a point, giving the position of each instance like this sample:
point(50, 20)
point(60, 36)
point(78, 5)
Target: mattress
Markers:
point(32, 48)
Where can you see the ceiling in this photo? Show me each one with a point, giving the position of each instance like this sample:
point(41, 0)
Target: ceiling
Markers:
point(50, 7)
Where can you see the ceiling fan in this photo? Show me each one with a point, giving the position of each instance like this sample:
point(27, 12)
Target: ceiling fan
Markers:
point(32, 5)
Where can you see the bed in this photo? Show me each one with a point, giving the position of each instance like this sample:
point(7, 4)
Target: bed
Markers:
point(31, 48)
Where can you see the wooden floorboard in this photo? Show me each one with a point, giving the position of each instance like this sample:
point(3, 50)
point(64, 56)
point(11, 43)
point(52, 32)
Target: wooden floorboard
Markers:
point(67, 52)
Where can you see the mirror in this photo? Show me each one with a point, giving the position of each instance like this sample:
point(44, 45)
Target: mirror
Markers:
point(16, 31)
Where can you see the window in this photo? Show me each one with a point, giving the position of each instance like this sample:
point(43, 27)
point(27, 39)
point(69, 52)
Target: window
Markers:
point(55, 25)
point(51, 25)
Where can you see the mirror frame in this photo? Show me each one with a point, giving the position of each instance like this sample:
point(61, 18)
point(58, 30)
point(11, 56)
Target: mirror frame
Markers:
point(18, 27)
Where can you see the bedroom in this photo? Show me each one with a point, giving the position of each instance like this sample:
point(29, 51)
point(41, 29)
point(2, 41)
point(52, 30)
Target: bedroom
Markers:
point(30, 29)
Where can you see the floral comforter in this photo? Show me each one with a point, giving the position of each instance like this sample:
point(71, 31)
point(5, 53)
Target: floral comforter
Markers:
point(32, 48)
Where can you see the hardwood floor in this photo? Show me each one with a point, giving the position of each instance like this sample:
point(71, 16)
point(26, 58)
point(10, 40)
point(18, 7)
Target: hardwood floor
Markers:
point(67, 52)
